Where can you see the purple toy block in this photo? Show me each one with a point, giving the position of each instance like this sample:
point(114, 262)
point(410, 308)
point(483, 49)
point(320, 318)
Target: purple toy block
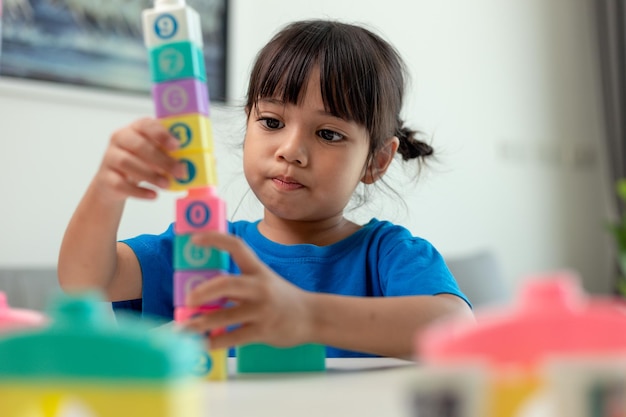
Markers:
point(200, 210)
point(185, 281)
point(180, 97)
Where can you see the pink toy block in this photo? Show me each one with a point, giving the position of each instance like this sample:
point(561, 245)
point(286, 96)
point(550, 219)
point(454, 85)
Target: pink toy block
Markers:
point(13, 318)
point(201, 209)
point(185, 281)
point(180, 97)
point(182, 314)
point(552, 317)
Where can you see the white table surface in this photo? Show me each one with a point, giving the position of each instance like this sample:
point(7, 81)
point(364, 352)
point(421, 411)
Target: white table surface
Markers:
point(360, 387)
point(349, 387)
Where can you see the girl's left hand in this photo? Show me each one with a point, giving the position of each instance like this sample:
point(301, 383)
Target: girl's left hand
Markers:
point(267, 308)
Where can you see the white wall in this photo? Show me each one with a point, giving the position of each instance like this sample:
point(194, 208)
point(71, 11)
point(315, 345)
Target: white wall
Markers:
point(508, 90)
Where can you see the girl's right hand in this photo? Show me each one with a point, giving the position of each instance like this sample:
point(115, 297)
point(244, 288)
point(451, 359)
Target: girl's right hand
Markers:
point(137, 154)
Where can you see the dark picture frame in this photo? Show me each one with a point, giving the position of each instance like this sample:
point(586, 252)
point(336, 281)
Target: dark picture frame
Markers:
point(99, 43)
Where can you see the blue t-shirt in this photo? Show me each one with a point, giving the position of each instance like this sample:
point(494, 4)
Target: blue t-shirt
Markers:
point(379, 260)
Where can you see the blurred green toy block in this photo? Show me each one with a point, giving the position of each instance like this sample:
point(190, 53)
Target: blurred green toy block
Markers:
point(261, 358)
point(110, 368)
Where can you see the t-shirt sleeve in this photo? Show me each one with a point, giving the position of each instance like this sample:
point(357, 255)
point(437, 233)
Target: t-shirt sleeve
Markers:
point(410, 265)
point(154, 253)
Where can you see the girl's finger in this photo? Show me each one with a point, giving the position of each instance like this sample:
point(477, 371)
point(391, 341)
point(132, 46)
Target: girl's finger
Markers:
point(221, 318)
point(241, 253)
point(224, 286)
point(124, 188)
point(134, 143)
point(134, 169)
point(157, 133)
point(239, 336)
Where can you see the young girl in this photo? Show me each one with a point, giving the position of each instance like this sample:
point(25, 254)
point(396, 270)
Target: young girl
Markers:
point(322, 110)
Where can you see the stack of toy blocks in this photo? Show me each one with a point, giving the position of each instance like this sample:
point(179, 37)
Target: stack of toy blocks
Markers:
point(173, 37)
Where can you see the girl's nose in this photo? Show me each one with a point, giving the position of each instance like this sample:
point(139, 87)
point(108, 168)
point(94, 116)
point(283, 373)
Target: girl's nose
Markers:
point(293, 150)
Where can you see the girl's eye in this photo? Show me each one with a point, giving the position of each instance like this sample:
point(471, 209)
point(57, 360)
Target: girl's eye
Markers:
point(329, 135)
point(271, 123)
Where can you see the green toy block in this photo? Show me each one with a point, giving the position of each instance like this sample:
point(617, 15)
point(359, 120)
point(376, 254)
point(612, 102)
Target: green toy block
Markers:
point(83, 342)
point(257, 358)
point(175, 61)
point(191, 257)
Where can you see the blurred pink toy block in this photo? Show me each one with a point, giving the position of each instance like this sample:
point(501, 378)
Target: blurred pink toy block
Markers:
point(552, 317)
point(508, 356)
point(14, 318)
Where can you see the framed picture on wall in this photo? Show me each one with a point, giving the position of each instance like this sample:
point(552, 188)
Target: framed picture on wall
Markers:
point(99, 43)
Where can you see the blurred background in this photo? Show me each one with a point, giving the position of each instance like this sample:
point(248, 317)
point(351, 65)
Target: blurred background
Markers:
point(509, 94)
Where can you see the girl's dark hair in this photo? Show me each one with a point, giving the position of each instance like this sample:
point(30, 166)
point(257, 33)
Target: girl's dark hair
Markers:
point(362, 78)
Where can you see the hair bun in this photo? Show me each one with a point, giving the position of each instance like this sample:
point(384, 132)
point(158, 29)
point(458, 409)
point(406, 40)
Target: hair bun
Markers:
point(410, 147)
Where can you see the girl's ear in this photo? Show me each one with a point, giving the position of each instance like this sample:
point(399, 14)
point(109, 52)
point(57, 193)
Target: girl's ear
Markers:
point(377, 167)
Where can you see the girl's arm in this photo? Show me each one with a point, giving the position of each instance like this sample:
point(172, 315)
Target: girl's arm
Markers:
point(272, 310)
point(90, 257)
point(385, 326)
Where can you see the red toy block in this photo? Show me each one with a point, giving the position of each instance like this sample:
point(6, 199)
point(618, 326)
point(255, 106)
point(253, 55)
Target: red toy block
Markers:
point(183, 313)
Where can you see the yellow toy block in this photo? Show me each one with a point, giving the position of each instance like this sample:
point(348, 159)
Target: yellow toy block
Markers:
point(100, 398)
point(219, 365)
point(201, 171)
point(193, 131)
point(510, 391)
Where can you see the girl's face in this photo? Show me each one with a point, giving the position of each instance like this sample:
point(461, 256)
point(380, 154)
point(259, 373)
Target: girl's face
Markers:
point(301, 162)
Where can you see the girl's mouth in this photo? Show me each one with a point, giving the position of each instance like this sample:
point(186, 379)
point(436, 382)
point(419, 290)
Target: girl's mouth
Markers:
point(287, 184)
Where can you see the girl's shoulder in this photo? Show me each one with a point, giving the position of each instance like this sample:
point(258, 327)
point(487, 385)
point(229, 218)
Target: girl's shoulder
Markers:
point(384, 229)
point(243, 228)
point(387, 236)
